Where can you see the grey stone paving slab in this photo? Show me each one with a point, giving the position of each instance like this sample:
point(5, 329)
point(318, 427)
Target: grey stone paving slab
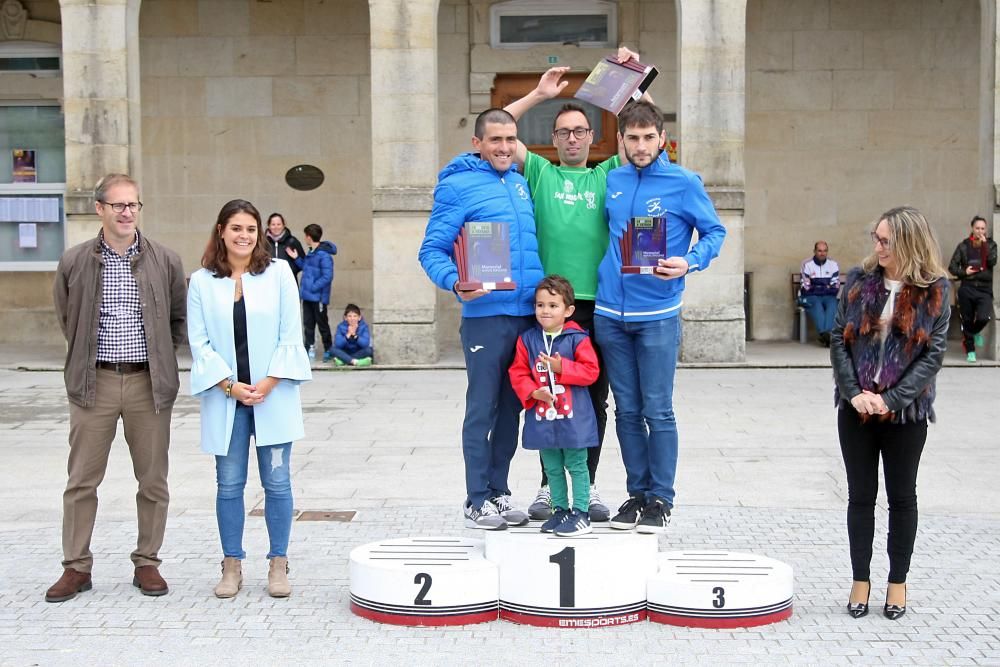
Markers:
point(760, 471)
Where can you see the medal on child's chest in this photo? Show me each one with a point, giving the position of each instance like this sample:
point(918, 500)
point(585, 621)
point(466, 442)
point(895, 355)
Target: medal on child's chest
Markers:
point(551, 413)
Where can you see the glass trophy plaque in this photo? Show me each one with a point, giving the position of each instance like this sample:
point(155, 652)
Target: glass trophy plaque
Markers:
point(612, 84)
point(643, 244)
point(482, 255)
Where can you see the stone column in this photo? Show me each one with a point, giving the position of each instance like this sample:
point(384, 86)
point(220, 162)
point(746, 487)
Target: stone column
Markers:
point(989, 134)
point(404, 168)
point(712, 101)
point(100, 101)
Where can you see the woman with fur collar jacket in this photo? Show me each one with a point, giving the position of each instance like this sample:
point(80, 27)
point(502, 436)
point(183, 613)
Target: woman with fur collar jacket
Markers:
point(887, 346)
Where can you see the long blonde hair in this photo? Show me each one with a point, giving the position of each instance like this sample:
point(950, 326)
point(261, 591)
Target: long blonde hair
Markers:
point(913, 246)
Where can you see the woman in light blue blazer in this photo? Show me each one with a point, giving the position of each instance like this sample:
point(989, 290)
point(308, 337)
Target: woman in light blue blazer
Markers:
point(247, 363)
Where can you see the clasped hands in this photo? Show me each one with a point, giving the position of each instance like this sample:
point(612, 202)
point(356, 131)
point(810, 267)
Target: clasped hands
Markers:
point(869, 403)
point(251, 394)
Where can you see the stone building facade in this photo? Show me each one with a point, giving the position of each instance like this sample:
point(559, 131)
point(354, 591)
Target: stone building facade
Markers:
point(806, 119)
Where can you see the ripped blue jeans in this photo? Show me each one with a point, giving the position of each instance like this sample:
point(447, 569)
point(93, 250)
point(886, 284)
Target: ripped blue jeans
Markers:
point(231, 478)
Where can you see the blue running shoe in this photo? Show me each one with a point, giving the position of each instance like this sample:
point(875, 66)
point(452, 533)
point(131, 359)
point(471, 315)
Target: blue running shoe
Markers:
point(575, 524)
point(555, 520)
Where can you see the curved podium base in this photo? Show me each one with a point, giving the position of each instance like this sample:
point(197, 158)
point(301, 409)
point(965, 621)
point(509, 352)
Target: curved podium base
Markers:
point(424, 581)
point(719, 589)
point(409, 615)
point(548, 617)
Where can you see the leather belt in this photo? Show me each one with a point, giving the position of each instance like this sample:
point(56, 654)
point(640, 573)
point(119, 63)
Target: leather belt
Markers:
point(124, 367)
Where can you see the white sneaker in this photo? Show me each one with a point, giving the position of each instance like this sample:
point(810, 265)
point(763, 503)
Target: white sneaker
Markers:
point(514, 517)
point(486, 517)
point(541, 508)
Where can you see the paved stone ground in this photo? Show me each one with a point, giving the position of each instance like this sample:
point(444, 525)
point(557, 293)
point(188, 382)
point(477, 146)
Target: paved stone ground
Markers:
point(760, 471)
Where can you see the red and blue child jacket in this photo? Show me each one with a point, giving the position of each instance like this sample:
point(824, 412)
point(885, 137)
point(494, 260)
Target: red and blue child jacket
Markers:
point(574, 425)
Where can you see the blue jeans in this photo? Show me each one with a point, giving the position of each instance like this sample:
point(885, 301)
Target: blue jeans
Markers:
point(492, 409)
point(641, 358)
point(348, 357)
point(822, 311)
point(231, 477)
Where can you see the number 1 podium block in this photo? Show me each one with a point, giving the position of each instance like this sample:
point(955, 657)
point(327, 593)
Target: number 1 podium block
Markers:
point(583, 582)
point(719, 589)
point(424, 581)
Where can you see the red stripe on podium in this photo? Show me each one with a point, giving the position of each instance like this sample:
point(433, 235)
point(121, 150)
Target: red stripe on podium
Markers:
point(586, 623)
point(728, 622)
point(409, 619)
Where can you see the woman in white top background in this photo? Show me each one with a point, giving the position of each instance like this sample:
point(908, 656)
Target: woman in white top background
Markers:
point(887, 345)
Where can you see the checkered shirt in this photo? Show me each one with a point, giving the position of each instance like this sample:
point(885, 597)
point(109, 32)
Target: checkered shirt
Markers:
point(121, 336)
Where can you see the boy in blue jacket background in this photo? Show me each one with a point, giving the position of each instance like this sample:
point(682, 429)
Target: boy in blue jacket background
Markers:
point(317, 279)
point(485, 187)
point(554, 364)
point(352, 343)
point(638, 326)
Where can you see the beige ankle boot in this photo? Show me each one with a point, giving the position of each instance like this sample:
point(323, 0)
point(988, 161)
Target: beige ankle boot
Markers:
point(277, 578)
point(232, 578)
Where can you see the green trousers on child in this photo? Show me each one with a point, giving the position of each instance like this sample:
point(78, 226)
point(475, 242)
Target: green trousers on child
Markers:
point(556, 463)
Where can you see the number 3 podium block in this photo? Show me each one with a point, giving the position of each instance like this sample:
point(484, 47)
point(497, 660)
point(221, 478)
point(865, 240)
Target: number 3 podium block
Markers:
point(719, 589)
point(424, 581)
point(585, 582)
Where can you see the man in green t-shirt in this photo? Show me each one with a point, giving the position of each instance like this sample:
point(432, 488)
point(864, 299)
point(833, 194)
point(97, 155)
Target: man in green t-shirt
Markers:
point(572, 236)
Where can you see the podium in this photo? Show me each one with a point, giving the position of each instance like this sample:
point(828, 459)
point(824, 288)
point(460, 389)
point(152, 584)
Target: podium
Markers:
point(424, 581)
point(603, 579)
point(592, 581)
point(719, 589)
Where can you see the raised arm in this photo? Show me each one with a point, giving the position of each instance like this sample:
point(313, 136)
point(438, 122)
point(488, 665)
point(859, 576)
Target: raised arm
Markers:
point(549, 86)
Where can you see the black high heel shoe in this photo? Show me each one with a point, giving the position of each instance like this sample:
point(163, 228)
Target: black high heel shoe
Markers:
point(859, 609)
point(894, 611)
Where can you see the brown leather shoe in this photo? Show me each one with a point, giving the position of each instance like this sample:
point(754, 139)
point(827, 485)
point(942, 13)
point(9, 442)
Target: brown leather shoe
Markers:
point(147, 579)
point(70, 583)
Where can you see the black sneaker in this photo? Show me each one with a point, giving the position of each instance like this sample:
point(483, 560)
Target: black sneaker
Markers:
point(575, 524)
point(553, 521)
point(655, 517)
point(628, 514)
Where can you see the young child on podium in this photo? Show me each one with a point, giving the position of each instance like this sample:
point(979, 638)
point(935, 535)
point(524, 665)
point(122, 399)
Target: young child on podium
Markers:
point(553, 364)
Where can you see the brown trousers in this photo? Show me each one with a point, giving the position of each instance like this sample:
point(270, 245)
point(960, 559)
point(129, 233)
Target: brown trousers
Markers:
point(91, 432)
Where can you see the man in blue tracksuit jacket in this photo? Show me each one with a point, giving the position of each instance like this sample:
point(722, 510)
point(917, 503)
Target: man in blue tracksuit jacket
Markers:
point(638, 324)
point(485, 187)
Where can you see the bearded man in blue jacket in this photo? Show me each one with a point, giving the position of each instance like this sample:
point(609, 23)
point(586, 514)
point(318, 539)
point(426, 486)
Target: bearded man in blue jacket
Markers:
point(484, 186)
point(638, 325)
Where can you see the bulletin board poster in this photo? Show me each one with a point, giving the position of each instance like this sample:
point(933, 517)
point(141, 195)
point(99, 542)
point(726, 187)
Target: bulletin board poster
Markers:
point(24, 166)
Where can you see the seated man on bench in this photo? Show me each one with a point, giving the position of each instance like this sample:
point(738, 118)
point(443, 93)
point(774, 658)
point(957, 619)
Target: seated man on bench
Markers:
point(820, 282)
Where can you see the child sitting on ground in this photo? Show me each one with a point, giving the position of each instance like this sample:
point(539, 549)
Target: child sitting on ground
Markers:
point(352, 345)
point(553, 365)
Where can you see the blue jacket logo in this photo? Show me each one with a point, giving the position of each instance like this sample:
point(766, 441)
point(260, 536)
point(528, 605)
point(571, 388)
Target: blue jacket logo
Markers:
point(653, 206)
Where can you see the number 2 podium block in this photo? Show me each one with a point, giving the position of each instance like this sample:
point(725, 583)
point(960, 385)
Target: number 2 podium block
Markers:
point(424, 581)
point(719, 589)
point(584, 582)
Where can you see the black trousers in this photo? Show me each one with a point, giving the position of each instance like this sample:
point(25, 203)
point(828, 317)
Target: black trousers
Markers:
point(975, 305)
point(900, 446)
point(315, 313)
point(584, 316)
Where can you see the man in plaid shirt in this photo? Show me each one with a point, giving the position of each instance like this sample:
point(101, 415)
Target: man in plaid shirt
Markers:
point(128, 291)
